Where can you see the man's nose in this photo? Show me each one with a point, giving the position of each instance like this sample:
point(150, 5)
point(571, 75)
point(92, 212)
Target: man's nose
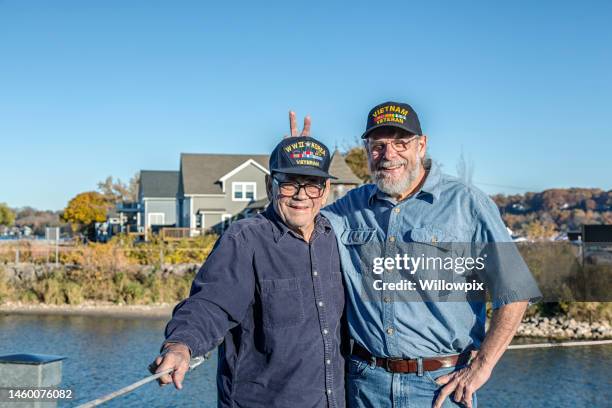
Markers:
point(301, 193)
point(390, 153)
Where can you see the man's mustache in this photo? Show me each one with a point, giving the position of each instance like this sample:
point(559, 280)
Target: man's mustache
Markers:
point(386, 164)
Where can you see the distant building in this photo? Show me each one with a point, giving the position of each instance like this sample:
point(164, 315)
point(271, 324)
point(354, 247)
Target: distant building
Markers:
point(215, 188)
point(157, 199)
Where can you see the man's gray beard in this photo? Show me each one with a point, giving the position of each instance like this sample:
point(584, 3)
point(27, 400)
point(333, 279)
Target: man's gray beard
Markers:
point(396, 188)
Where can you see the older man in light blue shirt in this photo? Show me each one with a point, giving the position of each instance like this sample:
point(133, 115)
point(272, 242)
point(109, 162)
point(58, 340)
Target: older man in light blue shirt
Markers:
point(415, 347)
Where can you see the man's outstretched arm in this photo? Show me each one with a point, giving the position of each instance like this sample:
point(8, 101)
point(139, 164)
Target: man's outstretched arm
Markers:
point(464, 383)
point(221, 294)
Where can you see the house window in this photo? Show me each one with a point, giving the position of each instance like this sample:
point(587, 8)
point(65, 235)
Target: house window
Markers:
point(156, 218)
point(244, 191)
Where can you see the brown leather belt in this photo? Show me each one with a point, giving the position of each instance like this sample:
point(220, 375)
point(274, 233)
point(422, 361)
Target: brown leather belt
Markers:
point(398, 365)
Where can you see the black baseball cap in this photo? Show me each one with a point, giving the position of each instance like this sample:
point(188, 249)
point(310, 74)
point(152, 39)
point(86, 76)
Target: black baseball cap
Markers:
point(396, 114)
point(301, 155)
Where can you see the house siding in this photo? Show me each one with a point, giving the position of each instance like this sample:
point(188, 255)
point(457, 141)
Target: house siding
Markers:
point(167, 206)
point(223, 204)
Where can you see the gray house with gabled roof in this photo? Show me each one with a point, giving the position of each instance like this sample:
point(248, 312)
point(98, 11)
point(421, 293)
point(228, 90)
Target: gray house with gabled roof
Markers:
point(214, 188)
point(157, 195)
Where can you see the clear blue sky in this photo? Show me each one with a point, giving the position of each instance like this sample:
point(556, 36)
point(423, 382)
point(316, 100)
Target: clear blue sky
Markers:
point(96, 88)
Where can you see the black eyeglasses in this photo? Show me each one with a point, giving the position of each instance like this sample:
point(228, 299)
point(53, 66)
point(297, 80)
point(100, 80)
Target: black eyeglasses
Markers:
point(291, 189)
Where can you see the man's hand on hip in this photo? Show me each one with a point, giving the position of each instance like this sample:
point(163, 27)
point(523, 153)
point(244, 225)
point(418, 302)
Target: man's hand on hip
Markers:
point(175, 356)
point(464, 383)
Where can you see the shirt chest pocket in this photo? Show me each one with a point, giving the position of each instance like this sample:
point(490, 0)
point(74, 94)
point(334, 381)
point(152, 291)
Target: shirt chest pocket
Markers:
point(282, 303)
point(438, 249)
point(362, 248)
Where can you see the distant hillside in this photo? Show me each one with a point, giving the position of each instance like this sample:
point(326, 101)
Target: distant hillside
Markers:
point(555, 210)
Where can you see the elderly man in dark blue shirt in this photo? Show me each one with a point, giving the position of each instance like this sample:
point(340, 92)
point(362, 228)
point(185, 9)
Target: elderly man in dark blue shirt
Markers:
point(271, 295)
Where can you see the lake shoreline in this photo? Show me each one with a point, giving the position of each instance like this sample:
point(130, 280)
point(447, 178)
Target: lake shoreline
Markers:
point(535, 327)
point(91, 309)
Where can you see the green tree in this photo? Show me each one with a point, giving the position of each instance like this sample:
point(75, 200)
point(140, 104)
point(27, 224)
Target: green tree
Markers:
point(7, 216)
point(85, 209)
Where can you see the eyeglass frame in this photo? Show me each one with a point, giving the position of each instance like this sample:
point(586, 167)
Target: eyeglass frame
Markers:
point(299, 187)
point(385, 144)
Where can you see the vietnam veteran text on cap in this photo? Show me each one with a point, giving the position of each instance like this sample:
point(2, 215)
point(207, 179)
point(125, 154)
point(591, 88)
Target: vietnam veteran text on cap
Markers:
point(395, 114)
point(301, 155)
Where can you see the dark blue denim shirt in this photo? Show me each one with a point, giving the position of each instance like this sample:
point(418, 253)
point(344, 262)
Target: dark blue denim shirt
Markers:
point(273, 303)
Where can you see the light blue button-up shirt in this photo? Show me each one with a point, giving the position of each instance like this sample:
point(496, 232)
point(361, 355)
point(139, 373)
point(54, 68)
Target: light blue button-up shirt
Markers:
point(444, 210)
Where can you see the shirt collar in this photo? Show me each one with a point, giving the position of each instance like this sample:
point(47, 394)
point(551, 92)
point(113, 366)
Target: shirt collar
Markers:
point(280, 229)
point(430, 188)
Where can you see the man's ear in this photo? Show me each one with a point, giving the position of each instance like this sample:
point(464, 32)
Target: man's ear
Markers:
point(269, 187)
point(326, 192)
point(422, 142)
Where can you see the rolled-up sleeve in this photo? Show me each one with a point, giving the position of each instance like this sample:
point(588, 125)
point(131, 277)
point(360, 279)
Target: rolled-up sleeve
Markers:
point(506, 275)
point(221, 293)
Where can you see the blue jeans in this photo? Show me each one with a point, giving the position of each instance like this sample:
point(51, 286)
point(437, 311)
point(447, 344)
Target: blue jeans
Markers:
point(374, 387)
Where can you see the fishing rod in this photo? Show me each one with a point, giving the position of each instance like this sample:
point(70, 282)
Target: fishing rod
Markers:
point(193, 363)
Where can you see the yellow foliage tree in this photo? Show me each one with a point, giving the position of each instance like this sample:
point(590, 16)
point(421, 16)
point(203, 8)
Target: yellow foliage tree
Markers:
point(357, 160)
point(85, 209)
point(540, 230)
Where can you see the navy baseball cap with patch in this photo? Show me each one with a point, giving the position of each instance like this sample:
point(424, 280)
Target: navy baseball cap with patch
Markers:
point(301, 155)
point(396, 114)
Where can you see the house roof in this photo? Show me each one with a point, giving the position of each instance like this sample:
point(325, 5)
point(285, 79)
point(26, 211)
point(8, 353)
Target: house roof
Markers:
point(201, 172)
point(159, 183)
point(338, 168)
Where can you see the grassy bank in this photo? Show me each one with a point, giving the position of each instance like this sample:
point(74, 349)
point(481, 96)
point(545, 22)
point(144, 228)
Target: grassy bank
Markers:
point(123, 272)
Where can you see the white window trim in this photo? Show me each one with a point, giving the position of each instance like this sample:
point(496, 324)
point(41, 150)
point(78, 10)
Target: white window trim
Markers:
point(244, 183)
point(163, 217)
point(239, 168)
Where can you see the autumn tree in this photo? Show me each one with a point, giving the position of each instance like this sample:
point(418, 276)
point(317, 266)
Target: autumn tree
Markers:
point(85, 209)
point(540, 230)
point(357, 159)
point(7, 216)
point(116, 191)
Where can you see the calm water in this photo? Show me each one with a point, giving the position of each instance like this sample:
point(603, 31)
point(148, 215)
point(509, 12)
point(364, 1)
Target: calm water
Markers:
point(106, 354)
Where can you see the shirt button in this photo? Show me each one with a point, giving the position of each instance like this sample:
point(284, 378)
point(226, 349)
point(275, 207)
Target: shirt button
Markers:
point(387, 299)
point(320, 303)
point(315, 273)
point(392, 239)
point(325, 331)
point(390, 331)
point(329, 391)
point(328, 361)
point(396, 210)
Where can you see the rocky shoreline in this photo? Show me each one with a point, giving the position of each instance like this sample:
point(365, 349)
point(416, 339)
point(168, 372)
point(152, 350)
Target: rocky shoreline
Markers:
point(562, 328)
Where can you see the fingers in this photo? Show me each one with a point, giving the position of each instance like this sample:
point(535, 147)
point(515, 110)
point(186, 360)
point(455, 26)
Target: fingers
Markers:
point(444, 379)
point(467, 398)
point(306, 130)
point(444, 392)
point(165, 363)
point(293, 128)
point(179, 375)
point(293, 123)
point(459, 392)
